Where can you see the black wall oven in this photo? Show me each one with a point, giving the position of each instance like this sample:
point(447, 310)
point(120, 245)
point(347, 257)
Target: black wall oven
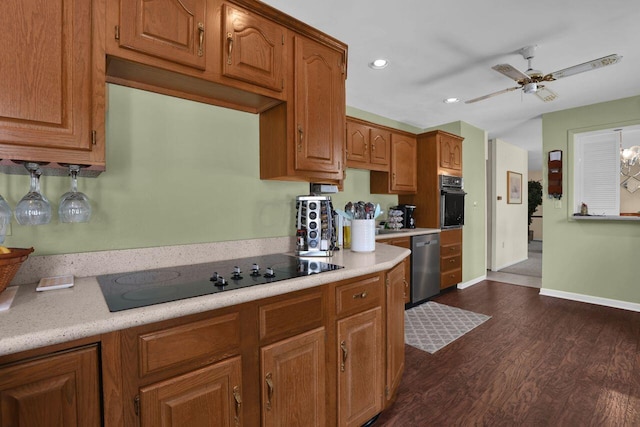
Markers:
point(451, 202)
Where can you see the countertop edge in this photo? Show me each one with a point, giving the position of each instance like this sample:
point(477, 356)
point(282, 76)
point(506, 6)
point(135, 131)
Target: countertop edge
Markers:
point(92, 318)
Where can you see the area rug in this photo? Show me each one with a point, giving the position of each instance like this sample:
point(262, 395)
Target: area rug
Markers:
point(431, 326)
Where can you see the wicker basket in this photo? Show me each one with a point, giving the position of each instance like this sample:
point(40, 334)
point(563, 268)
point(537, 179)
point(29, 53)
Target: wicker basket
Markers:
point(10, 264)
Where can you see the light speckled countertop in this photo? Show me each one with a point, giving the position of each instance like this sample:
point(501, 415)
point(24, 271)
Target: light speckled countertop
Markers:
point(38, 319)
point(405, 232)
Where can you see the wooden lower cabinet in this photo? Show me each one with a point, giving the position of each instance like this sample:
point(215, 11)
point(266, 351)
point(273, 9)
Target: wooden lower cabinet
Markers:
point(395, 329)
point(57, 390)
point(360, 367)
point(322, 356)
point(210, 396)
point(293, 381)
point(403, 242)
point(450, 257)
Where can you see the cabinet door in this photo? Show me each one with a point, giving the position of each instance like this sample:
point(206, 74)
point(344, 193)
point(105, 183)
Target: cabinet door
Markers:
point(293, 381)
point(210, 396)
point(450, 153)
point(395, 328)
point(403, 164)
point(357, 144)
point(253, 48)
point(360, 367)
point(380, 147)
point(47, 80)
point(169, 29)
point(60, 390)
point(319, 107)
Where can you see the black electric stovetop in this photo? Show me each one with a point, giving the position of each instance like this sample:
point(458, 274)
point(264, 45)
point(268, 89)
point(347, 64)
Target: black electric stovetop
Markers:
point(123, 291)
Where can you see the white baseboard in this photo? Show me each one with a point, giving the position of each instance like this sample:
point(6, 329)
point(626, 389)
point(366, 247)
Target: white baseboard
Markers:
point(625, 305)
point(465, 285)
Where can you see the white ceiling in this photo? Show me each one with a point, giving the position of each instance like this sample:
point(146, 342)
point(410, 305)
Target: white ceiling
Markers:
point(441, 49)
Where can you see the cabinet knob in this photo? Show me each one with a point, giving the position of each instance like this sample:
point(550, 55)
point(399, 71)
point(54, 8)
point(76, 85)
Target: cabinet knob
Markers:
point(361, 295)
point(343, 347)
point(201, 38)
point(229, 47)
point(238, 401)
point(269, 380)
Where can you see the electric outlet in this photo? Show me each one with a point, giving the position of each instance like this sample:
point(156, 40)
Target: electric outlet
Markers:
point(557, 204)
point(502, 245)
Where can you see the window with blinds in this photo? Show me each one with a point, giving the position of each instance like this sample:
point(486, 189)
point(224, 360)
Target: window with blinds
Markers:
point(597, 172)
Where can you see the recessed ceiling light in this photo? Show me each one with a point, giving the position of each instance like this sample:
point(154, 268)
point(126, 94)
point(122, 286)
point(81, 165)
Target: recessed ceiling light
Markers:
point(379, 64)
point(451, 100)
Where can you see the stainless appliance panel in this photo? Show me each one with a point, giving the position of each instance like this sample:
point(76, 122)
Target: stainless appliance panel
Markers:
point(425, 267)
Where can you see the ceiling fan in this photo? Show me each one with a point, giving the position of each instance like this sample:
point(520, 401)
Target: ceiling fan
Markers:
point(530, 81)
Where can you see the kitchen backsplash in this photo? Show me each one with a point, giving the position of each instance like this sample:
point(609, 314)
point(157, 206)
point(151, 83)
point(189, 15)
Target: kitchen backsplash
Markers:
point(178, 172)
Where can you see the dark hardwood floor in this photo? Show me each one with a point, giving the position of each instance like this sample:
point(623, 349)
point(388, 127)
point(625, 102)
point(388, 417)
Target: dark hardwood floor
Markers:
point(539, 361)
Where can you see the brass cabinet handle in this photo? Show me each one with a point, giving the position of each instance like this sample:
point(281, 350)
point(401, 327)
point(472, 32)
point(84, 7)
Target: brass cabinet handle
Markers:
point(238, 399)
point(269, 381)
point(393, 177)
point(343, 346)
point(362, 295)
point(452, 261)
point(229, 47)
point(201, 34)
point(301, 133)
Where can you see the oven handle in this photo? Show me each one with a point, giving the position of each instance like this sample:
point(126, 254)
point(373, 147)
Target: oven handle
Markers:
point(454, 191)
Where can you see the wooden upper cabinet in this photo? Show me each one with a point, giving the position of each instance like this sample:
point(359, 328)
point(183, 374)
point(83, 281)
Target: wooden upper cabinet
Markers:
point(319, 107)
point(357, 144)
point(367, 146)
point(402, 175)
point(403, 164)
point(52, 81)
point(450, 152)
point(253, 48)
point(380, 142)
point(58, 390)
point(169, 29)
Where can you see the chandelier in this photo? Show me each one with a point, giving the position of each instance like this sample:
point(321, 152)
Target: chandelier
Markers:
point(629, 158)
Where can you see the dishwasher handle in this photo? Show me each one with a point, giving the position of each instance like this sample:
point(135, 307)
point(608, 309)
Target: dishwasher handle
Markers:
point(425, 243)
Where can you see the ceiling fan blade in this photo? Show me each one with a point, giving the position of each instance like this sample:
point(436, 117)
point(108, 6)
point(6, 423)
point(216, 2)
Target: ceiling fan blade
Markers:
point(491, 95)
point(511, 72)
point(581, 68)
point(546, 94)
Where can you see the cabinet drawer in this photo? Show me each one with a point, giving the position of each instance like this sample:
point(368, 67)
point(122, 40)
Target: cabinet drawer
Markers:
point(357, 296)
point(294, 315)
point(403, 242)
point(450, 278)
point(450, 237)
point(451, 250)
point(205, 339)
point(450, 263)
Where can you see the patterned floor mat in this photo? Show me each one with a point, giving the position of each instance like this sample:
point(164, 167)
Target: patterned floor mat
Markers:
point(431, 326)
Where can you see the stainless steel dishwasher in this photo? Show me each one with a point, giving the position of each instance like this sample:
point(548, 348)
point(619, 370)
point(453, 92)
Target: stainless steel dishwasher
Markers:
point(425, 267)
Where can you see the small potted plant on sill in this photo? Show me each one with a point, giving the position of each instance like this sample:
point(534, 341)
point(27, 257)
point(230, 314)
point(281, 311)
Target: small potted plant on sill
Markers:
point(535, 200)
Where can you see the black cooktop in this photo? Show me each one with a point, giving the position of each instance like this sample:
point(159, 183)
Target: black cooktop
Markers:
point(123, 291)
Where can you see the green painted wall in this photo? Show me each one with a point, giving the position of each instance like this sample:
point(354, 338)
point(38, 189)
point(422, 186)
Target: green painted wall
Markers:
point(474, 165)
point(178, 172)
point(587, 257)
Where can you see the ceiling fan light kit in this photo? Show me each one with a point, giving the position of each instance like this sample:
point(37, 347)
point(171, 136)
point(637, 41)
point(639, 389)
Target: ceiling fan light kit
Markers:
point(530, 80)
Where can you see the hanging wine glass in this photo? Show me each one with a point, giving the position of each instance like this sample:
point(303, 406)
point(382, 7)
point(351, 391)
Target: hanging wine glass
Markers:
point(5, 218)
point(74, 205)
point(34, 208)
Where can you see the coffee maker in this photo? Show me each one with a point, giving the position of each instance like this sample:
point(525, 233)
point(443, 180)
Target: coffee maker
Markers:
point(407, 215)
point(315, 226)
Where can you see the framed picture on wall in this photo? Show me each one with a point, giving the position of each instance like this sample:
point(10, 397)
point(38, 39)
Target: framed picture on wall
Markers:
point(514, 187)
